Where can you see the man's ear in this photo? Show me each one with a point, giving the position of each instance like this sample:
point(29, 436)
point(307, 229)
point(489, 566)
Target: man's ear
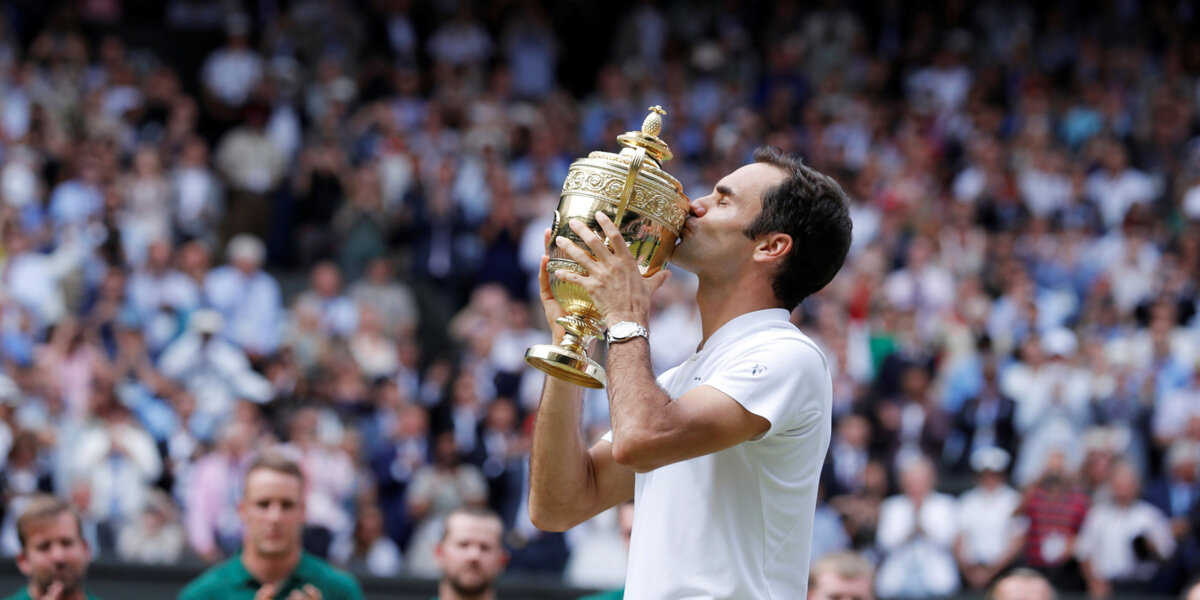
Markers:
point(773, 246)
point(439, 555)
point(23, 562)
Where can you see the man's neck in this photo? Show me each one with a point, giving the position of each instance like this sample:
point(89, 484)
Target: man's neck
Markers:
point(270, 570)
point(722, 301)
point(447, 592)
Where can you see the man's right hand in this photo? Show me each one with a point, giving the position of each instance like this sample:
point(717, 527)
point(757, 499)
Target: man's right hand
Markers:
point(52, 592)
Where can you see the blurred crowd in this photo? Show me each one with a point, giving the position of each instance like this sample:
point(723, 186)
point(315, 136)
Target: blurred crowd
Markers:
point(324, 234)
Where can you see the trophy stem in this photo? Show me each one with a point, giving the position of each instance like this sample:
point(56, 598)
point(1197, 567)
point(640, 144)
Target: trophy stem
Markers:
point(569, 360)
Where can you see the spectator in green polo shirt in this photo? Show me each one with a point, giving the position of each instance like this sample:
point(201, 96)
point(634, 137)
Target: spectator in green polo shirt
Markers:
point(272, 564)
point(470, 554)
point(54, 555)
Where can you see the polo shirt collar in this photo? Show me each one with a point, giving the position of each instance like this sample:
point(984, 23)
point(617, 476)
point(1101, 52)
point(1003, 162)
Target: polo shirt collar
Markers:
point(244, 578)
point(740, 324)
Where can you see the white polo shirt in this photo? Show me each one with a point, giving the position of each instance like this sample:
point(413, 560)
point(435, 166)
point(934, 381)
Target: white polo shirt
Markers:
point(738, 523)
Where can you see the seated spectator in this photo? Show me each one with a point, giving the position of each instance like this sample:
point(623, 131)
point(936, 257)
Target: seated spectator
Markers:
point(917, 530)
point(1177, 495)
point(118, 461)
point(990, 536)
point(367, 549)
point(338, 313)
point(156, 537)
point(393, 301)
point(436, 490)
point(328, 474)
point(1123, 542)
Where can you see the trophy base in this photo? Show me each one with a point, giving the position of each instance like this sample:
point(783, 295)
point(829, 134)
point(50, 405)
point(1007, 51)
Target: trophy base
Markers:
point(566, 365)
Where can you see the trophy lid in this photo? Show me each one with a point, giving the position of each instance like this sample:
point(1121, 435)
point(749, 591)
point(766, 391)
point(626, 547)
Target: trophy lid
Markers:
point(648, 137)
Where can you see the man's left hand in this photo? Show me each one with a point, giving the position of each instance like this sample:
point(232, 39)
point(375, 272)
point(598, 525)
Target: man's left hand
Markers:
point(617, 287)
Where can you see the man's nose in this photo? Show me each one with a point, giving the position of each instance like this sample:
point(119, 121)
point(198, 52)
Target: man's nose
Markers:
point(699, 206)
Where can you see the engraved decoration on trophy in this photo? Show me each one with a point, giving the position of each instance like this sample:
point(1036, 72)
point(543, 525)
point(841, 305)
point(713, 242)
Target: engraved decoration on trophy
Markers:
point(648, 206)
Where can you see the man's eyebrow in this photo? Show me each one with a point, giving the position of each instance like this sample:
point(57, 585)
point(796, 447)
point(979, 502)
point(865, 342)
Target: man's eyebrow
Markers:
point(724, 190)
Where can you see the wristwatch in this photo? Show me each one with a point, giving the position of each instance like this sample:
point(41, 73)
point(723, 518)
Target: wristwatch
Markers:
point(624, 331)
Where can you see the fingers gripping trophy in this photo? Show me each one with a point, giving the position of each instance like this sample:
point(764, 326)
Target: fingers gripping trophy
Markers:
point(647, 205)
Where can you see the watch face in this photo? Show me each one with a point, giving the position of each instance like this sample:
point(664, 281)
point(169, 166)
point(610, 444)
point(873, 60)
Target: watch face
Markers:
point(622, 329)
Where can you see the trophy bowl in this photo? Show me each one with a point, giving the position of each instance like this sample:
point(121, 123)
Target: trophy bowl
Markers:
point(648, 206)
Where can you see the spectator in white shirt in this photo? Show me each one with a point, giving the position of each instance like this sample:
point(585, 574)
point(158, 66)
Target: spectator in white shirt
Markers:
point(1117, 186)
point(213, 370)
point(160, 295)
point(990, 536)
point(1123, 541)
point(916, 533)
point(253, 165)
point(198, 194)
point(247, 297)
point(232, 71)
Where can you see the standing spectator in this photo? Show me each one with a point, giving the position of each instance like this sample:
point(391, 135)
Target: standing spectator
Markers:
point(253, 165)
point(198, 196)
point(1117, 186)
point(1022, 584)
point(470, 555)
point(117, 459)
point(247, 297)
point(210, 500)
point(215, 372)
point(329, 476)
point(231, 71)
point(987, 420)
point(990, 535)
point(917, 530)
point(160, 295)
point(1055, 507)
point(842, 576)
point(272, 561)
point(54, 554)
point(1123, 542)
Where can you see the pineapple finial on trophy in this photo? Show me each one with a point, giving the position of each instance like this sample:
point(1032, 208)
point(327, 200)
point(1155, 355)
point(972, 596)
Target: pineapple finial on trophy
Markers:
point(652, 125)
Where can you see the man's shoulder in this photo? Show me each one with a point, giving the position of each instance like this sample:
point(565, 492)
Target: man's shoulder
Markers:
point(21, 594)
point(329, 578)
point(617, 594)
point(211, 580)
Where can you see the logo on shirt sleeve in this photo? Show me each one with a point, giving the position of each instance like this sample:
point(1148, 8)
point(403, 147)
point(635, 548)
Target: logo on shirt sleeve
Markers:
point(758, 369)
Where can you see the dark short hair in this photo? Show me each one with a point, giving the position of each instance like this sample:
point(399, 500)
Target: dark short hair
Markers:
point(1020, 573)
point(482, 512)
point(275, 460)
point(41, 508)
point(811, 208)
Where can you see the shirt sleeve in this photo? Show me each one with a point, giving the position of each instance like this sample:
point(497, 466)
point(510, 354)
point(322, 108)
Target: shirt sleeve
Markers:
point(785, 381)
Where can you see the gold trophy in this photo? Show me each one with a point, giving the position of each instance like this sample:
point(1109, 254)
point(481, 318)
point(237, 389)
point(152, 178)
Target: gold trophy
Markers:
point(649, 208)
